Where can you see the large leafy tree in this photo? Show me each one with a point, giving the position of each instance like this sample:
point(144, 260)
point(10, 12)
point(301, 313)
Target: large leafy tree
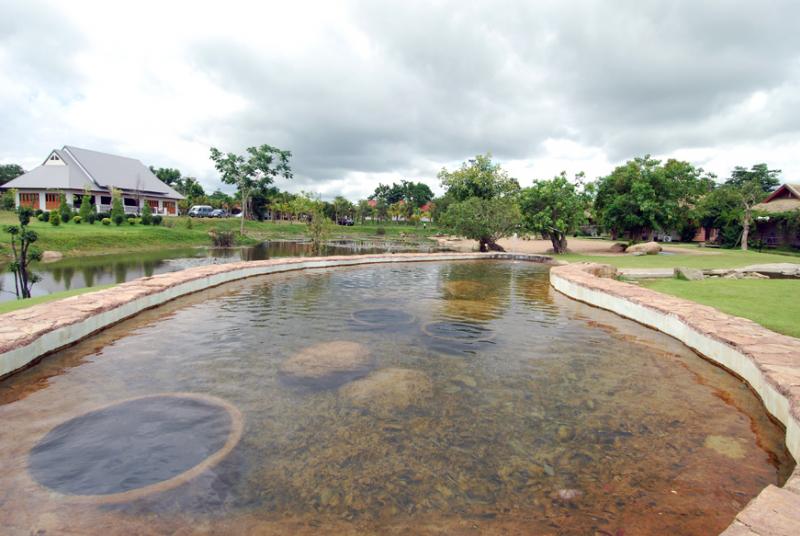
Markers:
point(170, 176)
point(555, 208)
point(482, 202)
point(256, 169)
point(9, 172)
point(767, 179)
point(413, 195)
point(645, 196)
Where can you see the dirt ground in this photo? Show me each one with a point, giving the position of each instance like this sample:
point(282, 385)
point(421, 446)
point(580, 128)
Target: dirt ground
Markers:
point(582, 246)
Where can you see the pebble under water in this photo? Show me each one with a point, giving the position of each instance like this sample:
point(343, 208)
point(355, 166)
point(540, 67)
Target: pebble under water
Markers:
point(491, 404)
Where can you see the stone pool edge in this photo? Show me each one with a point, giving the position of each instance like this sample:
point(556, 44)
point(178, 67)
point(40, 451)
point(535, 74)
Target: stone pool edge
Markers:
point(769, 362)
point(27, 335)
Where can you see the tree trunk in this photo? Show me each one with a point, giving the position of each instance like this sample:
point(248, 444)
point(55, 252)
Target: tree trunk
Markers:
point(559, 241)
point(745, 230)
point(489, 244)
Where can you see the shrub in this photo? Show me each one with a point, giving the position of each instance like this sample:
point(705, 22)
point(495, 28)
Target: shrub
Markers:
point(106, 221)
point(45, 216)
point(147, 214)
point(157, 219)
point(222, 239)
point(131, 221)
point(117, 209)
point(86, 207)
point(76, 219)
point(102, 215)
point(8, 199)
point(55, 219)
point(118, 219)
point(64, 209)
point(189, 223)
point(169, 223)
point(40, 217)
point(92, 218)
point(38, 212)
point(380, 231)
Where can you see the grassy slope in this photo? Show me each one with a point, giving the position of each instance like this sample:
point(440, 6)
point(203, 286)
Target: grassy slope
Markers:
point(97, 239)
point(13, 305)
point(773, 303)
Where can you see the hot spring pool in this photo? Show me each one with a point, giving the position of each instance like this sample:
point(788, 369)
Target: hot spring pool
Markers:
point(458, 397)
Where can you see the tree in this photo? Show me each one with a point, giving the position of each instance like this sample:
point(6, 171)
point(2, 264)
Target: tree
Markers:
point(190, 188)
point(170, 176)
point(750, 194)
point(554, 208)
point(644, 196)
point(482, 202)
point(478, 178)
point(22, 254)
point(9, 199)
point(64, 209)
point(117, 210)
point(484, 220)
point(381, 210)
point(257, 169)
point(85, 211)
point(767, 179)
point(9, 172)
point(342, 208)
point(147, 214)
point(363, 211)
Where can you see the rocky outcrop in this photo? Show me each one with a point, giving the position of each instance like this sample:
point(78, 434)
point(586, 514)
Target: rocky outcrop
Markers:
point(689, 274)
point(647, 248)
point(389, 390)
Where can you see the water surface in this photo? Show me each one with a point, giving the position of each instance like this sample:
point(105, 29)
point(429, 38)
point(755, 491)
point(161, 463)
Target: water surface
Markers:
point(537, 414)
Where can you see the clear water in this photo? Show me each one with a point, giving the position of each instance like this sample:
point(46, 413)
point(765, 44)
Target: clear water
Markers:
point(98, 270)
point(544, 416)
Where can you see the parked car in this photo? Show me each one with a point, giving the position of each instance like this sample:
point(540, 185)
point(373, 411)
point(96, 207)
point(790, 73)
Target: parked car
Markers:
point(345, 221)
point(219, 213)
point(200, 211)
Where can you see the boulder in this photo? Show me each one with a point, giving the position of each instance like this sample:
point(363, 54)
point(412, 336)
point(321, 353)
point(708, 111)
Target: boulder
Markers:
point(619, 247)
point(389, 390)
point(649, 248)
point(328, 361)
point(689, 274)
point(774, 270)
point(52, 256)
point(601, 270)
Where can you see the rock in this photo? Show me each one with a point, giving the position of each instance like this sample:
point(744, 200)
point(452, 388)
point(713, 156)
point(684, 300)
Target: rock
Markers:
point(754, 275)
point(567, 495)
point(729, 447)
point(689, 274)
point(619, 247)
point(601, 270)
point(777, 269)
point(389, 390)
point(333, 360)
point(649, 248)
point(733, 275)
point(52, 256)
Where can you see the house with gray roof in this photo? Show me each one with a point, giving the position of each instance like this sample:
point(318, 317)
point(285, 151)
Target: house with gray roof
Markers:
point(71, 171)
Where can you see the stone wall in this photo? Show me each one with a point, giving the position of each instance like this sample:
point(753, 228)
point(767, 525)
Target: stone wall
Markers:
point(768, 361)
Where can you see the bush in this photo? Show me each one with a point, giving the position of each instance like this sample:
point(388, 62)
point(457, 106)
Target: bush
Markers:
point(40, 217)
point(222, 239)
point(169, 223)
point(189, 223)
point(157, 219)
point(106, 221)
point(8, 200)
point(118, 219)
point(92, 218)
point(77, 219)
point(45, 216)
point(55, 219)
point(38, 212)
point(102, 215)
point(147, 214)
point(131, 221)
point(380, 231)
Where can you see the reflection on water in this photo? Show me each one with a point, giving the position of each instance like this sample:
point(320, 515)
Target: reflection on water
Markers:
point(100, 270)
point(565, 420)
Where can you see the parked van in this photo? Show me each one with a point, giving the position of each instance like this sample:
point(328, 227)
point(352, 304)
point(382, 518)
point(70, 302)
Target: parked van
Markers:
point(200, 211)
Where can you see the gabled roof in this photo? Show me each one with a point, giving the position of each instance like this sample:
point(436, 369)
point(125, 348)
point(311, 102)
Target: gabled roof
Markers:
point(784, 199)
point(95, 170)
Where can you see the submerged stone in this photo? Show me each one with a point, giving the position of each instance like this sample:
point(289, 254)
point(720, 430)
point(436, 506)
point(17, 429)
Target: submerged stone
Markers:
point(328, 361)
point(726, 445)
point(391, 389)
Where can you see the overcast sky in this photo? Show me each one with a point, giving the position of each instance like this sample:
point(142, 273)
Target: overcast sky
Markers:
point(373, 91)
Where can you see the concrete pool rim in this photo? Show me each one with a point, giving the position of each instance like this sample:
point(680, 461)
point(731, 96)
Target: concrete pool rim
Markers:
point(234, 435)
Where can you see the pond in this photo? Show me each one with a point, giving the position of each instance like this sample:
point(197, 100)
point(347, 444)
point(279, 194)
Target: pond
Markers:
point(98, 270)
point(422, 398)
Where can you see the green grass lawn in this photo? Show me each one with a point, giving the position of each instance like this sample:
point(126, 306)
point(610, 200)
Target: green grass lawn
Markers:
point(710, 258)
point(13, 305)
point(84, 239)
point(773, 303)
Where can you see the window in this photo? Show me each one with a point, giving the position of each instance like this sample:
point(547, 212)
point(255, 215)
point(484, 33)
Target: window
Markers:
point(51, 201)
point(105, 199)
point(169, 206)
point(130, 202)
point(153, 203)
point(29, 200)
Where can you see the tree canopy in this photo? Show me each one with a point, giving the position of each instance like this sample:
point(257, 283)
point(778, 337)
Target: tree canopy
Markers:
point(10, 172)
point(479, 177)
point(415, 194)
point(767, 179)
point(554, 208)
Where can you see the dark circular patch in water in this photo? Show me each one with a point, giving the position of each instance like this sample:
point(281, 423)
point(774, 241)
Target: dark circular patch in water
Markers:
point(130, 445)
point(461, 332)
point(383, 317)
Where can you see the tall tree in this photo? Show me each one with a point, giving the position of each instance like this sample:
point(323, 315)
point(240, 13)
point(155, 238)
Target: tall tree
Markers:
point(10, 172)
point(479, 177)
point(554, 208)
point(170, 176)
point(258, 168)
point(767, 179)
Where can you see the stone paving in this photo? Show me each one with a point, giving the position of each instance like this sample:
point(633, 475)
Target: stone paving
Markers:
point(775, 511)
